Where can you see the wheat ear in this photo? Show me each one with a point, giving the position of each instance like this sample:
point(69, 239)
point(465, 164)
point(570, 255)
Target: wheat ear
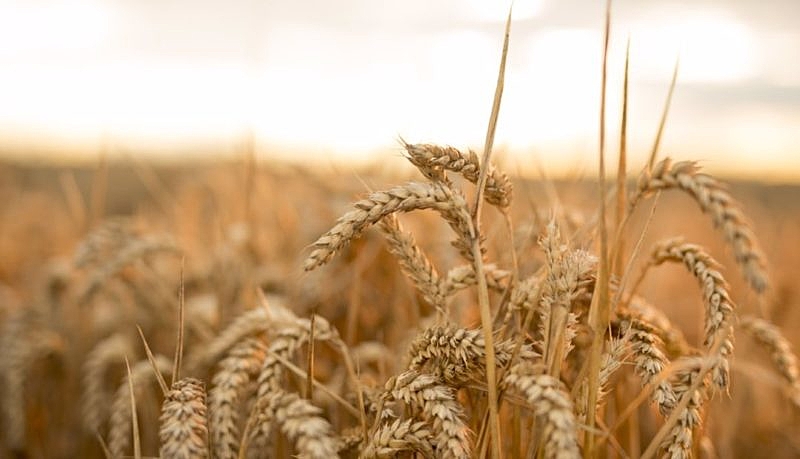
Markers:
point(414, 262)
point(714, 200)
point(770, 336)
point(552, 406)
point(252, 322)
point(433, 160)
point(457, 355)
point(678, 442)
point(400, 436)
point(236, 370)
point(95, 398)
point(127, 255)
point(405, 198)
point(184, 424)
point(298, 419)
point(719, 307)
point(423, 392)
point(463, 276)
point(649, 362)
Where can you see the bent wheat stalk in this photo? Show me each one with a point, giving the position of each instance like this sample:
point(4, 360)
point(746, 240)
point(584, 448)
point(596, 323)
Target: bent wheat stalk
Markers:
point(719, 306)
point(714, 200)
point(411, 196)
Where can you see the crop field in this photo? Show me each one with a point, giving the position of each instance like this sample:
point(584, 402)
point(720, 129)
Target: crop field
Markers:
point(322, 314)
point(435, 305)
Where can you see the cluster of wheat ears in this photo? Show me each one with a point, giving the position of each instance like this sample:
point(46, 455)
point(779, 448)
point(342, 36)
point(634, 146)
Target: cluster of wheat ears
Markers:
point(532, 380)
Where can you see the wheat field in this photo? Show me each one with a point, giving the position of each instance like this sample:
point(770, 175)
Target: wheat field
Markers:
point(323, 319)
point(450, 309)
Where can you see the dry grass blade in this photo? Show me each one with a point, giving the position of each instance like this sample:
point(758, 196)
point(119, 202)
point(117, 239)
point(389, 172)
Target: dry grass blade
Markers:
point(599, 312)
point(150, 357)
point(483, 291)
point(176, 369)
point(622, 167)
point(137, 444)
point(663, 122)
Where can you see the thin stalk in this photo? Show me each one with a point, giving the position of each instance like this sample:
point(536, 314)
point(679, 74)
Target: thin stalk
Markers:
point(310, 378)
point(176, 369)
point(622, 166)
point(483, 291)
point(636, 249)
point(137, 443)
point(159, 377)
point(654, 152)
point(599, 311)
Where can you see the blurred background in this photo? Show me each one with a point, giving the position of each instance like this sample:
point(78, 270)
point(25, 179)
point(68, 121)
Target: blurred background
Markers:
point(334, 82)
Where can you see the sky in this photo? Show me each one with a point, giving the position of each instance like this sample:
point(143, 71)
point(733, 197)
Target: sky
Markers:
point(340, 81)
